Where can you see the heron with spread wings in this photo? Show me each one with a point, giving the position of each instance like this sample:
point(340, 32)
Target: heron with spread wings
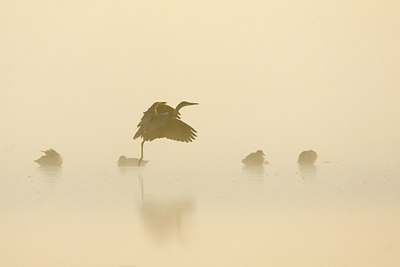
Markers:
point(163, 121)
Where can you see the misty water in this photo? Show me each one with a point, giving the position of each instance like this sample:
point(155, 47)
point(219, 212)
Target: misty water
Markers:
point(332, 214)
point(281, 76)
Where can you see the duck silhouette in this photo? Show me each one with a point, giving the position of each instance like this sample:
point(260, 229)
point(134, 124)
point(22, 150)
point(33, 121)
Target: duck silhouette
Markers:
point(307, 157)
point(255, 159)
point(123, 161)
point(50, 158)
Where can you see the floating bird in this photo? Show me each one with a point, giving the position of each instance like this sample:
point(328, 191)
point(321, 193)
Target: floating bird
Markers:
point(255, 159)
point(307, 157)
point(51, 158)
point(129, 162)
point(163, 121)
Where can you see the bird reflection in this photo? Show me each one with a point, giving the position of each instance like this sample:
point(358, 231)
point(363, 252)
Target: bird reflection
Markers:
point(256, 171)
point(49, 171)
point(165, 219)
point(308, 171)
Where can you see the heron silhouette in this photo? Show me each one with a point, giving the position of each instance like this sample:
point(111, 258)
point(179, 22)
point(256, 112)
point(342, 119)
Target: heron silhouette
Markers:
point(163, 121)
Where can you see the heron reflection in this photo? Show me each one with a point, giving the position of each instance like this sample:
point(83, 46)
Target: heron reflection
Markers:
point(165, 218)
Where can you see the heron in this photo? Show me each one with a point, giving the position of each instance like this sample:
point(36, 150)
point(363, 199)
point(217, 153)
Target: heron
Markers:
point(164, 121)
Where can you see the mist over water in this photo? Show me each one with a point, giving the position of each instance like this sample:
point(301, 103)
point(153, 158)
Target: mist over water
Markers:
point(283, 77)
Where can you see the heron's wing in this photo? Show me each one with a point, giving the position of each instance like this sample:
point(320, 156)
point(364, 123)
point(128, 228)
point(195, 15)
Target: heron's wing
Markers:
point(152, 109)
point(164, 126)
point(148, 115)
point(152, 127)
point(165, 109)
point(179, 131)
point(157, 122)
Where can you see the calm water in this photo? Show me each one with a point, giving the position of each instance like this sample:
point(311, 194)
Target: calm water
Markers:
point(330, 215)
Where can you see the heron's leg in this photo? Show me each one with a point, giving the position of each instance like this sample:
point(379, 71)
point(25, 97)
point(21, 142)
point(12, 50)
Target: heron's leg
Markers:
point(141, 153)
point(142, 187)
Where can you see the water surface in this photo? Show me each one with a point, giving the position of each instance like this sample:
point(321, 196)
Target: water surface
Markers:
point(328, 215)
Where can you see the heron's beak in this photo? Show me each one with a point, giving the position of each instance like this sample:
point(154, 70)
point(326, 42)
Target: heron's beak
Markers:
point(191, 104)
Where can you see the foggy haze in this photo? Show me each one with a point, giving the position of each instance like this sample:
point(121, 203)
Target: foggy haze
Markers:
point(277, 76)
point(282, 77)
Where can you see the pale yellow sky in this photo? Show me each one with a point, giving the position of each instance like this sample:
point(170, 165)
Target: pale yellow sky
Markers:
point(282, 76)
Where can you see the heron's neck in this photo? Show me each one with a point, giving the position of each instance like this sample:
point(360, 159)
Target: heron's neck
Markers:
point(178, 107)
